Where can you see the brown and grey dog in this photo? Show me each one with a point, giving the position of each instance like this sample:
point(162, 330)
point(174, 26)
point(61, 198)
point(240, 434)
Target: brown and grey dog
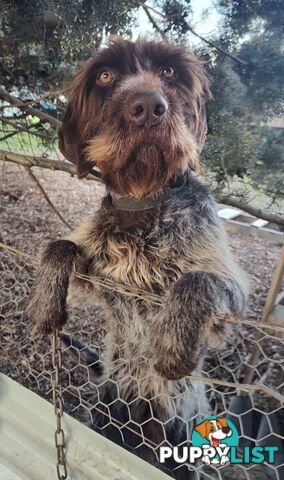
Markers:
point(136, 111)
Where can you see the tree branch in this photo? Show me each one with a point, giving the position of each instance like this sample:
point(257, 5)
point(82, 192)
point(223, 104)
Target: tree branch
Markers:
point(42, 162)
point(153, 21)
point(16, 102)
point(212, 44)
point(41, 189)
point(50, 93)
point(251, 209)
point(29, 161)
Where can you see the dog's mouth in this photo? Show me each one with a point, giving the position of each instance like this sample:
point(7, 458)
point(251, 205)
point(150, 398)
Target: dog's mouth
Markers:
point(138, 164)
point(215, 442)
point(158, 148)
point(144, 146)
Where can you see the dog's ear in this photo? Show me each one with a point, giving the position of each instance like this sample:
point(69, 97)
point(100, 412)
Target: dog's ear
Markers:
point(202, 429)
point(67, 137)
point(70, 143)
point(222, 421)
point(78, 121)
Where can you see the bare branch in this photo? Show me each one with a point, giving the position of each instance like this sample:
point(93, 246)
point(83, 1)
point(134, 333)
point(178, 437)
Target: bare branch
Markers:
point(51, 93)
point(42, 162)
point(16, 102)
point(212, 44)
point(246, 387)
point(251, 208)
point(154, 23)
point(41, 189)
point(29, 161)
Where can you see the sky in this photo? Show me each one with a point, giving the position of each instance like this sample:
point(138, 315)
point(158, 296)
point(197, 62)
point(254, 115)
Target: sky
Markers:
point(204, 26)
point(207, 26)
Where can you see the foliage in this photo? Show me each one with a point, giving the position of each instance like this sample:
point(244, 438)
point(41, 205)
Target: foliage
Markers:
point(231, 145)
point(177, 16)
point(267, 175)
point(59, 35)
point(246, 94)
point(264, 75)
point(239, 142)
point(242, 15)
point(257, 28)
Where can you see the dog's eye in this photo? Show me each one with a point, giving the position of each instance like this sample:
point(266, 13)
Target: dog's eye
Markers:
point(168, 72)
point(105, 78)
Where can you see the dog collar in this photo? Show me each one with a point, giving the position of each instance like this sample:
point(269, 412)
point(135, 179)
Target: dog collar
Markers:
point(132, 204)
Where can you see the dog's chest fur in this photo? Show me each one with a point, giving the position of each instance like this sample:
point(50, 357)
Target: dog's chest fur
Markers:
point(141, 256)
point(151, 249)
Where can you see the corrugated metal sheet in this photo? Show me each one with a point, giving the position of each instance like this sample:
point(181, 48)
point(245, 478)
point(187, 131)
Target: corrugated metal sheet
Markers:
point(27, 451)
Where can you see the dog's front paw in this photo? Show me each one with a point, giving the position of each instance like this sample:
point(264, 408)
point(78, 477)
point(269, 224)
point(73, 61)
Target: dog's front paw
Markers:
point(174, 369)
point(47, 301)
point(205, 460)
point(173, 356)
point(172, 363)
point(219, 330)
point(47, 313)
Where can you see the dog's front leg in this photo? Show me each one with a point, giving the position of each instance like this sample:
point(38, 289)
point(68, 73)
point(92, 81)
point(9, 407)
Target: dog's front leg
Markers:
point(193, 310)
point(47, 301)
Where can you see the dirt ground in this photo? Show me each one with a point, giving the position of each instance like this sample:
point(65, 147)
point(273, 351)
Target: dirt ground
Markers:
point(28, 224)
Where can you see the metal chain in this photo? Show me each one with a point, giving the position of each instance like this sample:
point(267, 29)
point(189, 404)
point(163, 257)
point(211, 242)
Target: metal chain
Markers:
point(61, 466)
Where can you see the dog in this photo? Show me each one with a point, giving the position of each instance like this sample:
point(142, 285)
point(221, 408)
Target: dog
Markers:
point(214, 431)
point(137, 112)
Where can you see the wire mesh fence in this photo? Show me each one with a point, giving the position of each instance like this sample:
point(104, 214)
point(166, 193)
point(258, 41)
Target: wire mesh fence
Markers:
point(243, 381)
point(28, 124)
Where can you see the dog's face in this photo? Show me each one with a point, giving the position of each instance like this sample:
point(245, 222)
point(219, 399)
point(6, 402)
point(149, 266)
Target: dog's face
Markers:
point(214, 430)
point(136, 110)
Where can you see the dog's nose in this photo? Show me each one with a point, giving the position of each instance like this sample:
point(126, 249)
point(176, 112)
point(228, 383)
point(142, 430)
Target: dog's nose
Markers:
point(226, 430)
point(148, 108)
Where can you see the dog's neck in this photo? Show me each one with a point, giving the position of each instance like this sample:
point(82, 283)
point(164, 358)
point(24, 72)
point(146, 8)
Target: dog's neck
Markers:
point(131, 204)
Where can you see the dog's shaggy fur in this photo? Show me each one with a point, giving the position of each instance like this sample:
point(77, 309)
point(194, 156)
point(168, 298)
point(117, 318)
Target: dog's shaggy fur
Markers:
point(157, 230)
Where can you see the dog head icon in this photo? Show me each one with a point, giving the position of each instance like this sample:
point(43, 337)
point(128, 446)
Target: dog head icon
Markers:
point(214, 430)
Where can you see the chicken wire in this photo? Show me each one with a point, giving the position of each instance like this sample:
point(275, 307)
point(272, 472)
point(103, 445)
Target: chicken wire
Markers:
point(257, 410)
point(26, 358)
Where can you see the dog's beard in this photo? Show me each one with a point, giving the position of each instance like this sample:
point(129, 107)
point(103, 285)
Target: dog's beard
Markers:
point(144, 173)
point(134, 165)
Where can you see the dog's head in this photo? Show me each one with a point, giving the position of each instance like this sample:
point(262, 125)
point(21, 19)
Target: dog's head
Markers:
point(136, 110)
point(214, 430)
